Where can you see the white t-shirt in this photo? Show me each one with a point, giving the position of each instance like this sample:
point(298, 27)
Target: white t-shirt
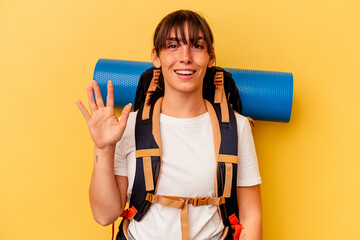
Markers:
point(188, 170)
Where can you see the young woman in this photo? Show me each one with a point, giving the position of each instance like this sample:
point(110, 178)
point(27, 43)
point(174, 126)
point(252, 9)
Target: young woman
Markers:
point(183, 50)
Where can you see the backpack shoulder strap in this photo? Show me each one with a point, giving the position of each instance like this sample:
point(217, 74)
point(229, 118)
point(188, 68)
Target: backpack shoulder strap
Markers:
point(148, 155)
point(226, 147)
point(226, 179)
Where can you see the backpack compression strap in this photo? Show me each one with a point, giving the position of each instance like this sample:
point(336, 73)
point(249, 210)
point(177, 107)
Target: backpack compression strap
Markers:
point(182, 203)
point(152, 88)
point(220, 97)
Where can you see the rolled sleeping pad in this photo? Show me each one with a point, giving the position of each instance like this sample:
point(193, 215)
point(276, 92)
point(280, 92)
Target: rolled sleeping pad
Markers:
point(265, 95)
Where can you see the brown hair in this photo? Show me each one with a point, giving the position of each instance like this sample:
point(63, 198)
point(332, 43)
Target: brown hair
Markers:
point(176, 21)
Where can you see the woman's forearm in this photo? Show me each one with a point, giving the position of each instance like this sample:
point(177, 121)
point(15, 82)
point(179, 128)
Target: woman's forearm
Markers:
point(252, 227)
point(104, 194)
point(250, 212)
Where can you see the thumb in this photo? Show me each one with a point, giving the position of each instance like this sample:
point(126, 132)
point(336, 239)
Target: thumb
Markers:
point(125, 115)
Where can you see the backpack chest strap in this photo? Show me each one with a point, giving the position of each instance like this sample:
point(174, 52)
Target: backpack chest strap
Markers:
point(182, 203)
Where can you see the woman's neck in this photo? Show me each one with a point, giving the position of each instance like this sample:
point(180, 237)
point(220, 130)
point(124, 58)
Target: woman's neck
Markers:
point(183, 105)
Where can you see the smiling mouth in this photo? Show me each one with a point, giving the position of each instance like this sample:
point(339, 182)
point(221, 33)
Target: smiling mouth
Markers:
point(185, 72)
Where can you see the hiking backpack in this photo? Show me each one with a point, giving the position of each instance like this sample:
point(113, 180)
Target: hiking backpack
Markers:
point(222, 99)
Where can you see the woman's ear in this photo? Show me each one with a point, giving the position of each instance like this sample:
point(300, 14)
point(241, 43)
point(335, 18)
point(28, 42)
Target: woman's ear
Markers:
point(211, 57)
point(156, 59)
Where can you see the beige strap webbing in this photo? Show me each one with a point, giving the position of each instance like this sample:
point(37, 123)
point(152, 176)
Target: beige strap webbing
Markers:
point(220, 96)
point(156, 122)
point(148, 153)
point(228, 179)
point(228, 158)
point(215, 128)
point(178, 202)
point(184, 222)
point(224, 109)
point(182, 203)
point(125, 227)
point(148, 174)
point(152, 88)
point(219, 87)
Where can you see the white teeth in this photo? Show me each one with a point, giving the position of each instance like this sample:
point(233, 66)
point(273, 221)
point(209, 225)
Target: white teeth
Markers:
point(185, 72)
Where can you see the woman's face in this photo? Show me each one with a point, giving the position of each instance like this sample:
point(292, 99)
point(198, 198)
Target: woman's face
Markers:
point(183, 66)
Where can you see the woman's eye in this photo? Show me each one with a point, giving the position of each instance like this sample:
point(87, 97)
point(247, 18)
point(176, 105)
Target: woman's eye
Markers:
point(198, 46)
point(171, 46)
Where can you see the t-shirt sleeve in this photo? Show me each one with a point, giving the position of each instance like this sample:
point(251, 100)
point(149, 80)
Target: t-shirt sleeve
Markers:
point(120, 164)
point(248, 169)
point(124, 147)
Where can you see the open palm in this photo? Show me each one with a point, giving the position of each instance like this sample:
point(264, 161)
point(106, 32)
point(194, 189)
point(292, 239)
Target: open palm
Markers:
point(105, 129)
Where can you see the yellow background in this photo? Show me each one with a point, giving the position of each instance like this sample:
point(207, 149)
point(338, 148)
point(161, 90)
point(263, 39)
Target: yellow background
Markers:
point(309, 167)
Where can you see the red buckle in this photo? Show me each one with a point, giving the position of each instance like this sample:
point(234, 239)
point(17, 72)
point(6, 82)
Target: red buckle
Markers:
point(236, 226)
point(129, 213)
point(124, 213)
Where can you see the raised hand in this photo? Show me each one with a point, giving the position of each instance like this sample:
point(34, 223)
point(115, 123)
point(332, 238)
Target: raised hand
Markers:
point(105, 129)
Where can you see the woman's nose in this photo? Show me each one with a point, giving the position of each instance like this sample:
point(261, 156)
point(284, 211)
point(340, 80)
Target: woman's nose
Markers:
point(186, 54)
